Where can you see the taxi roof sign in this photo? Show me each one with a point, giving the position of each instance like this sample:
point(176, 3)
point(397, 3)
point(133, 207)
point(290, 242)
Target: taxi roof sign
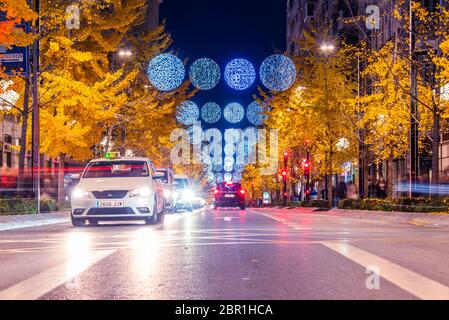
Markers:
point(112, 155)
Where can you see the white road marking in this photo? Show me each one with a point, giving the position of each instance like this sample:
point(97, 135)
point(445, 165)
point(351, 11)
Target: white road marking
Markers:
point(418, 285)
point(269, 216)
point(41, 283)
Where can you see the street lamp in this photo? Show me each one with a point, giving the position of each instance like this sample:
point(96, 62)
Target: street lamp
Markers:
point(124, 53)
point(327, 48)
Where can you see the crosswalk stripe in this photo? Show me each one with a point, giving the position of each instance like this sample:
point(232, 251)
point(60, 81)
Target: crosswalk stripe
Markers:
point(412, 282)
point(41, 283)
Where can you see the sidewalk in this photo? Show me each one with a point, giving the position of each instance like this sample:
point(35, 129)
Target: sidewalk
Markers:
point(415, 218)
point(33, 220)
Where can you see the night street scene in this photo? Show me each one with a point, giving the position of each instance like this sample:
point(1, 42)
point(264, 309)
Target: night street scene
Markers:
point(220, 157)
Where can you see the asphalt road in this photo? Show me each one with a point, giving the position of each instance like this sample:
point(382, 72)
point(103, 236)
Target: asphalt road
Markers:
point(227, 254)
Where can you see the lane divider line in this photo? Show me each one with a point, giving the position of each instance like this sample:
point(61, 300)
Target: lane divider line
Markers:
point(410, 281)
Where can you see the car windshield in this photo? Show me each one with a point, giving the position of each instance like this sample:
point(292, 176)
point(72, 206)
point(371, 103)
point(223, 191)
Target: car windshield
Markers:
point(116, 169)
point(229, 187)
point(181, 183)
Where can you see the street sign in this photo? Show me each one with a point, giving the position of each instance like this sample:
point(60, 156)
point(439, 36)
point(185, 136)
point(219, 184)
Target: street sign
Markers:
point(16, 60)
point(266, 197)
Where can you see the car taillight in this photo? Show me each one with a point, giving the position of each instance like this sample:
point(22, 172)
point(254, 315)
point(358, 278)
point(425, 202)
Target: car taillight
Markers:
point(242, 192)
point(216, 191)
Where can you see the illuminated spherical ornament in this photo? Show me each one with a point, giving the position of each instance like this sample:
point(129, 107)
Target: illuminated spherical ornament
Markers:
point(234, 112)
point(227, 177)
point(187, 113)
point(229, 149)
point(166, 72)
point(211, 112)
point(278, 72)
point(240, 74)
point(219, 177)
point(229, 160)
point(228, 164)
point(255, 114)
point(237, 177)
point(204, 73)
point(218, 167)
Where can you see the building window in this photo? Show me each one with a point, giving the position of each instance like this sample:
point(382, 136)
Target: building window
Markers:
point(7, 138)
point(310, 9)
point(8, 159)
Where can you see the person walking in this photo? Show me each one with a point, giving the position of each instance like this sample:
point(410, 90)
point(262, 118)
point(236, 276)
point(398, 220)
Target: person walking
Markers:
point(341, 192)
point(381, 188)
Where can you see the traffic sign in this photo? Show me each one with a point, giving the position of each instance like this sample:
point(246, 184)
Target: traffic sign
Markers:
point(16, 60)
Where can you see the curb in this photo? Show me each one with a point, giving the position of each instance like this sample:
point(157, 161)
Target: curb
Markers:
point(414, 218)
point(12, 222)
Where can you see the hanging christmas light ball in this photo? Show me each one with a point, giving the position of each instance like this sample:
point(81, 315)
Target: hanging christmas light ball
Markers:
point(234, 112)
point(166, 72)
point(278, 72)
point(204, 73)
point(211, 112)
point(255, 114)
point(240, 74)
point(187, 113)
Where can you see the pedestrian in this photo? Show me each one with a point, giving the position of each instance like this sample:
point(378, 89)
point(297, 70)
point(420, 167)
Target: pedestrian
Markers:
point(341, 191)
point(352, 191)
point(381, 187)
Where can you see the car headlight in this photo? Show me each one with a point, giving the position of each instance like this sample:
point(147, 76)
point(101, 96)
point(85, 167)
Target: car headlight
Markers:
point(141, 192)
point(187, 195)
point(79, 193)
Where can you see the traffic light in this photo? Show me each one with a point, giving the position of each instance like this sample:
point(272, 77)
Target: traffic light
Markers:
point(284, 175)
point(286, 155)
point(307, 166)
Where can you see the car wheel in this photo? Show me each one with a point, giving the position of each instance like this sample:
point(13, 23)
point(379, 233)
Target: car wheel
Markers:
point(153, 219)
point(242, 207)
point(78, 222)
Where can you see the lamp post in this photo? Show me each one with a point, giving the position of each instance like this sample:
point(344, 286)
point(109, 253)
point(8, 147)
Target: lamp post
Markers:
point(327, 49)
point(413, 152)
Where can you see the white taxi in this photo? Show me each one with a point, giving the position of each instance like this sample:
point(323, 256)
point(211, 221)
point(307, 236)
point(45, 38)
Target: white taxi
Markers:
point(115, 188)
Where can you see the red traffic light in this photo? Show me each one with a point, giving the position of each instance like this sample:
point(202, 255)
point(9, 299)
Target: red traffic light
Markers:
point(284, 173)
point(242, 191)
point(306, 164)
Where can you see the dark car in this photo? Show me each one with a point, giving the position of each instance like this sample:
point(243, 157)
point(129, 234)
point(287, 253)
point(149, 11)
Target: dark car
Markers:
point(229, 195)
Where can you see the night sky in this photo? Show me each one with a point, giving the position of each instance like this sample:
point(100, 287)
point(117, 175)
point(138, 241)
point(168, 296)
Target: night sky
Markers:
point(224, 30)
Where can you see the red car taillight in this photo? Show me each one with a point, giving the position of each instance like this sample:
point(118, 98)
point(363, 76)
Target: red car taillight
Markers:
point(216, 191)
point(242, 192)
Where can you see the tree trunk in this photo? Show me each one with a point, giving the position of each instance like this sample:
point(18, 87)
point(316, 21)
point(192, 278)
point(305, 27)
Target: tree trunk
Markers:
point(61, 171)
point(23, 140)
point(435, 147)
point(330, 195)
point(390, 180)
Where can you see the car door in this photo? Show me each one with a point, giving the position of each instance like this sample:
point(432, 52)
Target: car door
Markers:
point(158, 188)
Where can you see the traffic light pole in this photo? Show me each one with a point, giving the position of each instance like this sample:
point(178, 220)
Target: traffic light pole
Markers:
point(308, 175)
point(284, 179)
point(35, 111)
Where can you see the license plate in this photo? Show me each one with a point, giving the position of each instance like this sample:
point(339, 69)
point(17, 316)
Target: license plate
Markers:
point(109, 204)
point(229, 196)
